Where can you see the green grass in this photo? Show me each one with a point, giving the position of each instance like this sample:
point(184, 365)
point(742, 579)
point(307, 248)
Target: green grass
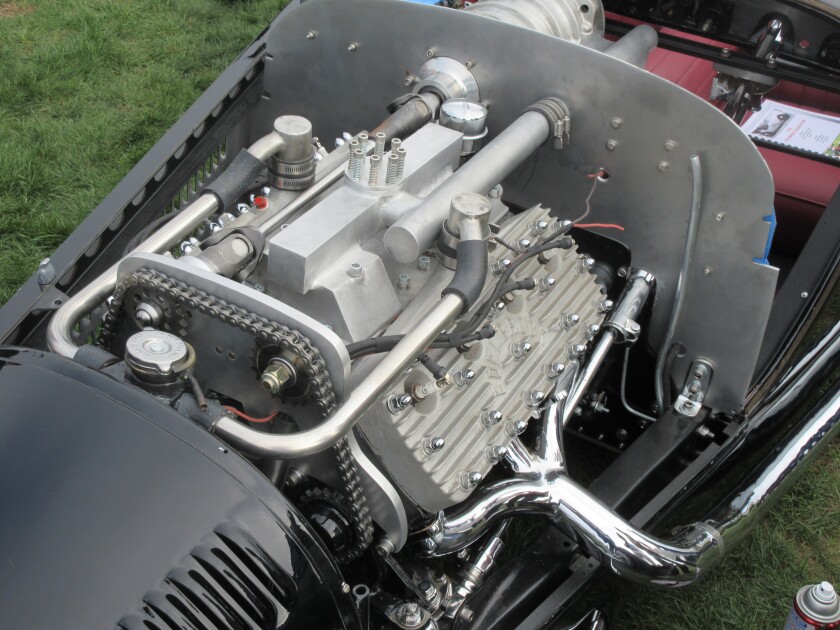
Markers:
point(86, 88)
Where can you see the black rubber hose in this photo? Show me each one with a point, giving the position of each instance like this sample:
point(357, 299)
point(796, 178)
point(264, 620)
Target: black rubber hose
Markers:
point(470, 274)
point(236, 179)
point(411, 113)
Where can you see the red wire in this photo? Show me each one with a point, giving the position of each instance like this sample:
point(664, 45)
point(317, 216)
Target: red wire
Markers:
point(245, 416)
point(605, 226)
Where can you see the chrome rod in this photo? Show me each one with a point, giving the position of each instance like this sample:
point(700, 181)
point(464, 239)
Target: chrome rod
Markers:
point(416, 231)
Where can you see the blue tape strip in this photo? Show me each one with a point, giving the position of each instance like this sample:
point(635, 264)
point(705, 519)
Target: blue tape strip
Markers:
point(771, 219)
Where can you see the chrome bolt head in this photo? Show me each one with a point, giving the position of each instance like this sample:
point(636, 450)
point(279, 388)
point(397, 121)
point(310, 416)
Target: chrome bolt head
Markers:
point(524, 243)
point(490, 417)
point(352, 47)
point(424, 262)
point(515, 427)
point(611, 145)
point(663, 167)
point(310, 35)
point(242, 208)
point(404, 281)
point(463, 377)
point(615, 123)
point(670, 145)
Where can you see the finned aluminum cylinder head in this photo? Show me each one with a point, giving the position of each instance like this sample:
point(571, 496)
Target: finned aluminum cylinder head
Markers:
point(572, 20)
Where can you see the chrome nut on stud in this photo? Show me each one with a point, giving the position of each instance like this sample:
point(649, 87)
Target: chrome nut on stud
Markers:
point(470, 479)
point(515, 427)
point(567, 321)
point(494, 454)
point(534, 398)
point(538, 228)
point(575, 351)
point(520, 350)
point(432, 445)
point(423, 263)
point(604, 306)
point(545, 285)
point(500, 266)
point(463, 377)
point(584, 264)
point(490, 417)
point(554, 370)
point(399, 403)
point(276, 377)
point(591, 331)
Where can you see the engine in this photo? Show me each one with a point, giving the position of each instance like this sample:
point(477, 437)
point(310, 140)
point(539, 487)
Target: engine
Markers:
point(400, 330)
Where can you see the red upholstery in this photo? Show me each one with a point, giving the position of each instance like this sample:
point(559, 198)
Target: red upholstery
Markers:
point(803, 186)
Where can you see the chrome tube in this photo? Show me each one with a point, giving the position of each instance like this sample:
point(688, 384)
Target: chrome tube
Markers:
point(418, 230)
point(660, 378)
point(59, 338)
point(273, 445)
point(544, 488)
point(59, 331)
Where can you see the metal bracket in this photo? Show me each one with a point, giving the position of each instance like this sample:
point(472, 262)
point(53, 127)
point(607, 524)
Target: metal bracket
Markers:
point(690, 400)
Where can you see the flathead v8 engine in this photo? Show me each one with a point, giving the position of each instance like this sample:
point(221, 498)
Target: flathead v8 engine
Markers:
point(518, 241)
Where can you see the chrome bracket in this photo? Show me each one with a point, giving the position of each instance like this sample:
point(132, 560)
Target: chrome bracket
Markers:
point(690, 400)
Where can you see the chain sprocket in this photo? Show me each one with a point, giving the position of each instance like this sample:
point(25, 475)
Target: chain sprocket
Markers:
point(320, 390)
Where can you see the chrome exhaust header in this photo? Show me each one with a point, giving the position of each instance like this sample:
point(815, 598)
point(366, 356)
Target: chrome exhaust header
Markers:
point(542, 486)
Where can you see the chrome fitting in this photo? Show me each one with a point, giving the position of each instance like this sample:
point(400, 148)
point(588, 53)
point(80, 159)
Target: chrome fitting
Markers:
point(554, 370)
point(399, 403)
point(494, 454)
point(520, 350)
point(515, 427)
point(469, 479)
point(567, 321)
point(432, 445)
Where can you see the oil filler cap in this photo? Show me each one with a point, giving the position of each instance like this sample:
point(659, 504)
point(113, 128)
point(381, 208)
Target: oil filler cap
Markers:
point(158, 357)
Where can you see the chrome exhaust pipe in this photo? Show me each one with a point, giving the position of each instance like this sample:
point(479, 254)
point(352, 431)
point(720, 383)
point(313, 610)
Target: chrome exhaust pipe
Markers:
point(541, 485)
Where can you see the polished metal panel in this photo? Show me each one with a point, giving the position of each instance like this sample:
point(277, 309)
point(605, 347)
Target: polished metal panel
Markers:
point(649, 189)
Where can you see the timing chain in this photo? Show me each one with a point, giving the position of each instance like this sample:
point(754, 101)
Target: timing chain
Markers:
point(320, 384)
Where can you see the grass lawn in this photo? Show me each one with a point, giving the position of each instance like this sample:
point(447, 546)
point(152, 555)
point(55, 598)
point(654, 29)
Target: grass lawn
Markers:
point(86, 88)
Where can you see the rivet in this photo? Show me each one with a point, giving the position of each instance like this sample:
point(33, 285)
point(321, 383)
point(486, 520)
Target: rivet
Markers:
point(707, 271)
point(311, 35)
point(670, 145)
point(352, 47)
point(719, 216)
point(663, 167)
point(615, 123)
point(611, 145)
point(803, 295)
